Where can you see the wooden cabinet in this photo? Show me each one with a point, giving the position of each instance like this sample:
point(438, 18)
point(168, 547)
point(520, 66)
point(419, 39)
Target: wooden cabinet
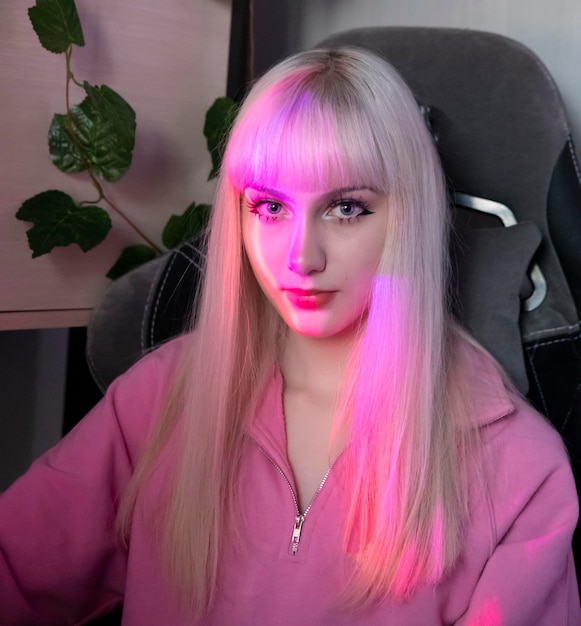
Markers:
point(168, 59)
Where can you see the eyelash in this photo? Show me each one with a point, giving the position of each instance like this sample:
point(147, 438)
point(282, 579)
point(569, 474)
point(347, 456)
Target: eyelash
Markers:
point(357, 204)
point(254, 208)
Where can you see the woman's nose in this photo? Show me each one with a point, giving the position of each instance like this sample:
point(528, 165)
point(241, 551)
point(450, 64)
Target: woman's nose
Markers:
point(306, 252)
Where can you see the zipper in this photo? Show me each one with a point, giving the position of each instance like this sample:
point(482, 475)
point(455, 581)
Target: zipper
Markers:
point(299, 521)
point(299, 517)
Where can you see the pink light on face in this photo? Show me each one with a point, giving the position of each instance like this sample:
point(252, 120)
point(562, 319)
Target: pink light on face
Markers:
point(294, 149)
point(315, 253)
point(310, 300)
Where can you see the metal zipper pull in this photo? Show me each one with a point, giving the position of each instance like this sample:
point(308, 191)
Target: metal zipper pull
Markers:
point(299, 519)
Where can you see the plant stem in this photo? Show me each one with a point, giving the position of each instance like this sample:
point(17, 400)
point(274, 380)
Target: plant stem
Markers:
point(87, 165)
point(97, 185)
point(68, 52)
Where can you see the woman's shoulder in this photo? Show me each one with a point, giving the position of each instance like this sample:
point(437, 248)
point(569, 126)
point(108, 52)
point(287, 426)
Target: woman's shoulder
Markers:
point(162, 358)
point(524, 456)
point(522, 449)
point(155, 367)
point(135, 399)
point(524, 505)
point(511, 429)
point(150, 375)
point(529, 490)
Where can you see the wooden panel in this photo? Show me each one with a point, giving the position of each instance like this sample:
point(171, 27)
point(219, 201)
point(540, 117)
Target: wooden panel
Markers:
point(168, 58)
point(26, 320)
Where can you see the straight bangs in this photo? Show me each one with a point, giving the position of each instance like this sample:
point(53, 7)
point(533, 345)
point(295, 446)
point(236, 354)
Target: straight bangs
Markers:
point(303, 135)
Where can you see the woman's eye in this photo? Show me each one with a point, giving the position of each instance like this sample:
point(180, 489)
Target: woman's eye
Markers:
point(347, 210)
point(266, 209)
point(272, 208)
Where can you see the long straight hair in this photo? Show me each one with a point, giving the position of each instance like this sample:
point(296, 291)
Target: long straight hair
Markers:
point(327, 118)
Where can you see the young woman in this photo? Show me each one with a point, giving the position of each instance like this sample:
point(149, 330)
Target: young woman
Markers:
point(327, 446)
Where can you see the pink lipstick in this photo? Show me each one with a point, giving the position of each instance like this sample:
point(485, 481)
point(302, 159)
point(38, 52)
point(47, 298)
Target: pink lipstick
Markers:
point(309, 298)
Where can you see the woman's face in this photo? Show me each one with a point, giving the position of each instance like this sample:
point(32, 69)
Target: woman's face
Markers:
point(315, 253)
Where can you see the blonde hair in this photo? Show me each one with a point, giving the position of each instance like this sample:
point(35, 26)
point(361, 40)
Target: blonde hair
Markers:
point(336, 117)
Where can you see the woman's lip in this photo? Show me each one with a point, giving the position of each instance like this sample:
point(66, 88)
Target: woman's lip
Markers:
point(306, 292)
point(309, 298)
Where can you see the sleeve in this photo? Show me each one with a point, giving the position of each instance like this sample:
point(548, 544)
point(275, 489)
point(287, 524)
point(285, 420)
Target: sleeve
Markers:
point(60, 559)
point(529, 579)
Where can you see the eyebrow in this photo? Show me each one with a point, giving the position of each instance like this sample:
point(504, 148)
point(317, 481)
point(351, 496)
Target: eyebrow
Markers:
point(331, 193)
point(267, 190)
point(354, 188)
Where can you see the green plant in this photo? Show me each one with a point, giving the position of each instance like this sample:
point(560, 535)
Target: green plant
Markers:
point(97, 137)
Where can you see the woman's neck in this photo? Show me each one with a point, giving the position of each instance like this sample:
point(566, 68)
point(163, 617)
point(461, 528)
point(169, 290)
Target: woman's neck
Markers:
point(312, 370)
point(315, 364)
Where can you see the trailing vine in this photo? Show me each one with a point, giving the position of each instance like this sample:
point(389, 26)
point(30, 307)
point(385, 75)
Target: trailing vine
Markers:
point(97, 137)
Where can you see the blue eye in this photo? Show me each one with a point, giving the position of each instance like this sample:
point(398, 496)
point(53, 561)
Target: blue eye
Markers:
point(347, 210)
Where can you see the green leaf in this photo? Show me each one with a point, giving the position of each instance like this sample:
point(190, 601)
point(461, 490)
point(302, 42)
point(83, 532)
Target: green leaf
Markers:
point(57, 24)
point(130, 258)
point(116, 111)
point(180, 228)
point(98, 134)
point(219, 119)
point(59, 221)
point(64, 152)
